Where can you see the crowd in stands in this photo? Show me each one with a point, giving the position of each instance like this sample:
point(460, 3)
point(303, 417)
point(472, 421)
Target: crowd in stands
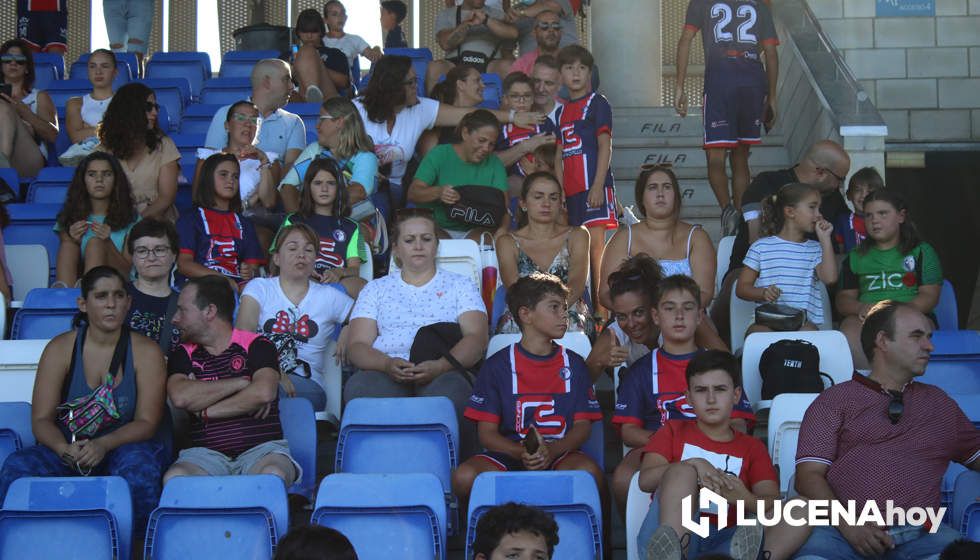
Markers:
point(225, 304)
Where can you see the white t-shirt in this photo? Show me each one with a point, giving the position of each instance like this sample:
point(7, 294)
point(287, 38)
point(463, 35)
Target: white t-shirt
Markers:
point(792, 267)
point(398, 146)
point(351, 45)
point(249, 174)
point(299, 331)
point(400, 309)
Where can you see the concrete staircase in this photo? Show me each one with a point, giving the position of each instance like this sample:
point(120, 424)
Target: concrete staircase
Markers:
point(650, 135)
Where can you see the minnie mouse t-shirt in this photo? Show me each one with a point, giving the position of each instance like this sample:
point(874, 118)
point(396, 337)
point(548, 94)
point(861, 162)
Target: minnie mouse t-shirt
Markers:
point(300, 332)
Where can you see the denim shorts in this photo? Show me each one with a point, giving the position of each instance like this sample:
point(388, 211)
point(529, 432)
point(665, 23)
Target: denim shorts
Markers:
point(128, 19)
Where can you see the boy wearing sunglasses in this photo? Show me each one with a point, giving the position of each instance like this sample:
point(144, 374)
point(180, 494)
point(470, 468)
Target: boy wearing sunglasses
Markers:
point(884, 437)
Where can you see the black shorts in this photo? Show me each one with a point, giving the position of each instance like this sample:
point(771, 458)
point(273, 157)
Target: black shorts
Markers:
point(734, 103)
point(44, 30)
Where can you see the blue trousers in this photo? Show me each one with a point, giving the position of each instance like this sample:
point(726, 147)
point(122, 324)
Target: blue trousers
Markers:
point(910, 543)
point(141, 464)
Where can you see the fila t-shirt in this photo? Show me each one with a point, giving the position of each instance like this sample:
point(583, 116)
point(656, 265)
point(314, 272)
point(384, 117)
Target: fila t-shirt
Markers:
point(516, 390)
point(888, 274)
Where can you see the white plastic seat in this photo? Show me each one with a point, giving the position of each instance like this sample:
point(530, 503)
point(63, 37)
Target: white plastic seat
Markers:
point(743, 314)
point(461, 256)
point(835, 359)
point(637, 506)
point(785, 418)
point(18, 367)
point(28, 269)
point(577, 342)
point(725, 245)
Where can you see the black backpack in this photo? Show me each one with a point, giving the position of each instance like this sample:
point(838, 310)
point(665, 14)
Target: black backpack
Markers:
point(791, 366)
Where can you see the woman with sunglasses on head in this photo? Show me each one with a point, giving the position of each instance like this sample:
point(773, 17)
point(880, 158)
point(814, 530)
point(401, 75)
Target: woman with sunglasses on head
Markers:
point(27, 116)
point(99, 359)
point(83, 114)
point(678, 247)
point(130, 131)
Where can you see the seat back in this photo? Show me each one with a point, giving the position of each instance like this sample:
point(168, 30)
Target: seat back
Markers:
point(492, 91)
point(225, 91)
point(41, 323)
point(405, 510)
point(9, 175)
point(55, 60)
point(187, 145)
point(414, 54)
point(299, 428)
point(461, 256)
point(955, 362)
point(785, 418)
point(236, 68)
point(34, 223)
point(571, 496)
point(833, 361)
point(399, 435)
point(219, 494)
point(637, 505)
point(63, 90)
point(309, 112)
point(53, 298)
point(190, 70)
point(741, 315)
point(92, 514)
point(947, 315)
point(724, 257)
point(18, 367)
point(965, 493)
point(27, 268)
point(15, 428)
point(44, 74)
point(47, 193)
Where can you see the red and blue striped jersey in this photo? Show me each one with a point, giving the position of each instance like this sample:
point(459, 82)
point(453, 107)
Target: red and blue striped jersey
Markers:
point(516, 390)
point(732, 29)
point(580, 122)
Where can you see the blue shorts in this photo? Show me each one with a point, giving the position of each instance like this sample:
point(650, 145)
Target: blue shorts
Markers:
point(128, 20)
point(43, 30)
point(510, 464)
point(580, 214)
point(733, 109)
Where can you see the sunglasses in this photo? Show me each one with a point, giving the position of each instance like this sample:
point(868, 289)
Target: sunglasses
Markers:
point(895, 406)
point(546, 26)
point(151, 106)
point(15, 58)
point(241, 117)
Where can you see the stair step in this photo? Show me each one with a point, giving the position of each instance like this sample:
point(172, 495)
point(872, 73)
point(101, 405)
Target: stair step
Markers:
point(662, 126)
point(628, 157)
point(694, 192)
point(685, 171)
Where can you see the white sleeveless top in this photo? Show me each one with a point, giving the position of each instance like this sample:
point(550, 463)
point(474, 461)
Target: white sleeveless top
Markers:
point(93, 109)
point(668, 267)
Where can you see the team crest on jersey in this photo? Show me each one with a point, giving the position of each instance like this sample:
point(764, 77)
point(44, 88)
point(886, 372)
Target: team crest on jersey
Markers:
point(339, 235)
point(565, 373)
point(538, 411)
point(908, 263)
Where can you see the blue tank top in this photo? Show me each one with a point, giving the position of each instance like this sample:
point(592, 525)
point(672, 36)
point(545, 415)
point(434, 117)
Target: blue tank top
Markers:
point(124, 393)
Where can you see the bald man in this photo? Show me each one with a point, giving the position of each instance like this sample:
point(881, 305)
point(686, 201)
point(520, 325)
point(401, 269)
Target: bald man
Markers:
point(825, 165)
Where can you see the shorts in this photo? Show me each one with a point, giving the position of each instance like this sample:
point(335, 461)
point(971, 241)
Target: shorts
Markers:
point(126, 20)
point(733, 115)
point(44, 30)
point(216, 463)
point(580, 214)
point(510, 464)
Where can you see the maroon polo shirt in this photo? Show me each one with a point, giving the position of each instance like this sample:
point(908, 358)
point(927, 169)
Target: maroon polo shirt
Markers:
point(847, 427)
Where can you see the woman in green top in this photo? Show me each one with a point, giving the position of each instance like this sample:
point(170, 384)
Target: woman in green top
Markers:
point(95, 220)
point(470, 161)
point(891, 263)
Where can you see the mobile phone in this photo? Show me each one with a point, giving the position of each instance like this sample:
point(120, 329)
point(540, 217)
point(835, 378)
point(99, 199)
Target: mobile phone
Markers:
point(531, 442)
point(6, 89)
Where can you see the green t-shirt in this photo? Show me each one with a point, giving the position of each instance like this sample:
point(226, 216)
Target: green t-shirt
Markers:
point(441, 167)
point(888, 274)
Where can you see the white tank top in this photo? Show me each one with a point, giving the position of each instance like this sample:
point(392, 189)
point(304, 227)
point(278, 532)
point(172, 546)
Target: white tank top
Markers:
point(93, 109)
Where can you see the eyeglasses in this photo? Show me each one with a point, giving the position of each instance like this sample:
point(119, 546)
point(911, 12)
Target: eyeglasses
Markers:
point(650, 166)
point(15, 58)
point(241, 117)
point(158, 252)
point(520, 96)
point(836, 176)
point(151, 106)
point(895, 406)
point(546, 26)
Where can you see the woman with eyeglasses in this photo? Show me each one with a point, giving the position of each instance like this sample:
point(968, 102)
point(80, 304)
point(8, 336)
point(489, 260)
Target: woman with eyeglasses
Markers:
point(389, 313)
point(27, 116)
point(130, 131)
point(83, 114)
point(678, 247)
point(395, 117)
point(99, 359)
point(95, 219)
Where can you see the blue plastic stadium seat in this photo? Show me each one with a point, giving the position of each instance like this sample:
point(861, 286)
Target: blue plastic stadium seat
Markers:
point(41, 323)
point(187, 145)
point(492, 91)
point(45, 74)
point(197, 118)
point(385, 515)
point(595, 446)
point(225, 91)
point(955, 362)
point(299, 428)
point(239, 64)
point(52, 298)
point(15, 428)
point(965, 494)
point(309, 112)
point(186, 177)
point(947, 488)
point(947, 315)
point(124, 74)
point(571, 496)
point(414, 54)
point(171, 100)
point(202, 59)
point(90, 517)
point(190, 70)
point(63, 90)
point(971, 522)
point(127, 59)
point(9, 175)
point(181, 84)
point(240, 516)
point(32, 224)
point(55, 60)
point(47, 193)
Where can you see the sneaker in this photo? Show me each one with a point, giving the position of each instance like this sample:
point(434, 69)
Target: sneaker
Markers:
point(729, 220)
point(314, 95)
point(746, 543)
point(664, 545)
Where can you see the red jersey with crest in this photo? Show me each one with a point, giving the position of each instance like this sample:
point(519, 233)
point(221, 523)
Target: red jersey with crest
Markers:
point(580, 122)
point(516, 390)
point(220, 240)
point(512, 135)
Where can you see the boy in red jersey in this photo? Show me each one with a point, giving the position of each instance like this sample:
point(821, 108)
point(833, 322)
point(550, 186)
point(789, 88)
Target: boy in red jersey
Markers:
point(537, 384)
point(582, 164)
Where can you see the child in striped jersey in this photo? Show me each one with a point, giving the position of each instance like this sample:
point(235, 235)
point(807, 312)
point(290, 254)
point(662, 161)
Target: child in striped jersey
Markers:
point(785, 264)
